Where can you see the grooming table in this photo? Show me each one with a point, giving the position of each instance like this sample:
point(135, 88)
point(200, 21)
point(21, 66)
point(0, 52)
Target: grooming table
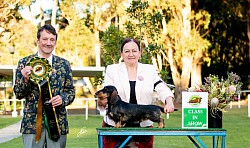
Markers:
point(192, 134)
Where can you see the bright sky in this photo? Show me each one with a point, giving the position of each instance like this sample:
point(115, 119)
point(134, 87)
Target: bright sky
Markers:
point(35, 8)
point(47, 5)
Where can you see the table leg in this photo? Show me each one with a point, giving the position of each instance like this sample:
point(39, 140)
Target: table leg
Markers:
point(200, 141)
point(125, 141)
point(100, 141)
point(223, 142)
point(214, 142)
point(194, 142)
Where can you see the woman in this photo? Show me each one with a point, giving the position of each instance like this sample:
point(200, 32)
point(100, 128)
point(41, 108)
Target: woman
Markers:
point(135, 83)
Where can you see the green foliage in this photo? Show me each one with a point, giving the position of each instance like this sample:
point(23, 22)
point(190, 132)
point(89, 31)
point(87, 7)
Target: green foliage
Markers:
point(154, 25)
point(5, 78)
point(228, 33)
point(75, 43)
point(131, 30)
point(24, 40)
point(144, 25)
point(165, 75)
point(12, 28)
point(136, 11)
point(98, 80)
point(187, 45)
point(221, 91)
point(76, 40)
point(146, 58)
point(111, 44)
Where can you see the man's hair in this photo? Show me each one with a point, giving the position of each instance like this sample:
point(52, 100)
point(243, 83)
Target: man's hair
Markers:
point(48, 28)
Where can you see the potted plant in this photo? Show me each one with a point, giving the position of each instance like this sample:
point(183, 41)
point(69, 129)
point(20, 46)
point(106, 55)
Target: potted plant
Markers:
point(221, 91)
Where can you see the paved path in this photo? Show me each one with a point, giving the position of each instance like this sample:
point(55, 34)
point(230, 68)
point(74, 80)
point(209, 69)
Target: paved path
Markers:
point(10, 132)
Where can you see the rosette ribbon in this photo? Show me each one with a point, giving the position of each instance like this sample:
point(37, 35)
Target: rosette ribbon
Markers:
point(40, 74)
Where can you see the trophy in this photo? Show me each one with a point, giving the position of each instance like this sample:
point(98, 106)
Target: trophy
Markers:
point(40, 74)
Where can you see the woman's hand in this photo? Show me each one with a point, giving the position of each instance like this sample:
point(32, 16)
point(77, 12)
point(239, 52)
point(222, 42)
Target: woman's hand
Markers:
point(169, 107)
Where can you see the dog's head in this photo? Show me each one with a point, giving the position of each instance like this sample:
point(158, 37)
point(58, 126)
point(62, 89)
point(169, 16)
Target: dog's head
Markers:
point(107, 95)
point(106, 90)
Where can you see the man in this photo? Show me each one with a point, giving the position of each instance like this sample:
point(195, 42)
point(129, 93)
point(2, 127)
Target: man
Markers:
point(62, 90)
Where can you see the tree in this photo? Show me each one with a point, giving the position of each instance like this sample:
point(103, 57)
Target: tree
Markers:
point(100, 14)
point(12, 29)
point(228, 36)
point(111, 41)
point(183, 47)
point(75, 40)
point(170, 33)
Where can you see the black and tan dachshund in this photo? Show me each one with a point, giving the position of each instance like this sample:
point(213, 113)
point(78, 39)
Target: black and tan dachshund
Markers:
point(122, 112)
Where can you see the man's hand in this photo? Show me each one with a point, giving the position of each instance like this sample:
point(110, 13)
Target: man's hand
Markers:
point(56, 101)
point(26, 71)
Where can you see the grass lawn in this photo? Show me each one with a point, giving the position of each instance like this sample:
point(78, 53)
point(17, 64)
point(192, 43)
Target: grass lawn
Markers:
point(8, 120)
point(83, 132)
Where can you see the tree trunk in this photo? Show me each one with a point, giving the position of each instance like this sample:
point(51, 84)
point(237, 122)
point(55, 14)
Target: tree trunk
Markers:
point(180, 79)
point(181, 72)
point(97, 49)
point(196, 74)
point(54, 10)
point(41, 14)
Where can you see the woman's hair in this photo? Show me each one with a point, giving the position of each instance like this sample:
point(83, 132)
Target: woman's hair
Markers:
point(46, 27)
point(130, 40)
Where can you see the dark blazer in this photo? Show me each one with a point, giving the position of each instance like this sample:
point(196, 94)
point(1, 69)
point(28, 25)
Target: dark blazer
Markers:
point(61, 83)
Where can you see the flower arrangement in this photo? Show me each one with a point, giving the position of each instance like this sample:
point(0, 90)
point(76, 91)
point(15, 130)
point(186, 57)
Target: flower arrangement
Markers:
point(220, 91)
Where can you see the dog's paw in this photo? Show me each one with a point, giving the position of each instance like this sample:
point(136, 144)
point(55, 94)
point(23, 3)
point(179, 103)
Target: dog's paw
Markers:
point(160, 126)
point(161, 123)
point(118, 125)
point(111, 114)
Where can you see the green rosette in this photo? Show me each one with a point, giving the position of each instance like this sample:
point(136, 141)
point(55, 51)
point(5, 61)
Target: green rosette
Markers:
point(41, 69)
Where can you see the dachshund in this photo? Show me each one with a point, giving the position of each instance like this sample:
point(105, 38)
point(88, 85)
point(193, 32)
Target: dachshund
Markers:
point(122, 112)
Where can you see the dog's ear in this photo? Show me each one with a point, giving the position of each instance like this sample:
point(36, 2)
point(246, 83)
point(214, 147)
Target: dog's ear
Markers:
point(96, 94)
point(114, 97)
